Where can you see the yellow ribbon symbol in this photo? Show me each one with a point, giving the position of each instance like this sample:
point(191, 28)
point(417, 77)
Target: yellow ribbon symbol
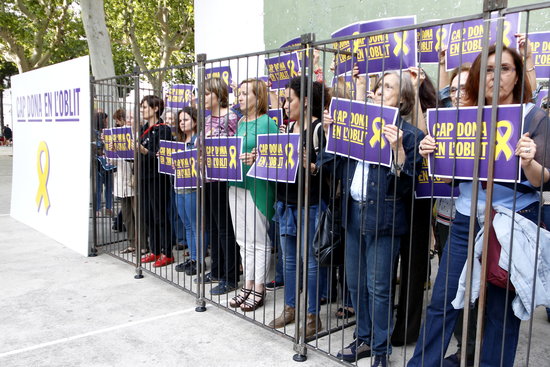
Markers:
point(440, 35)
point(43, 173)
point(187, 97)
point(193, 168)
point(129, 141)
point(505, 38)
point(356, 43)
point(233, 156)
point(225, 77)
point(377, 125)
point(289, 150)
point(290, 65)
point(401, 43)
point(502, 140)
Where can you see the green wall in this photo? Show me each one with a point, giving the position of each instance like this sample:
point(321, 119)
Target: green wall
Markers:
point(286, 19)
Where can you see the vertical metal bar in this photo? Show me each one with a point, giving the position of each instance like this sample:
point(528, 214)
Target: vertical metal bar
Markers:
point(200, 209)
point(137, 177)
point(93, 167)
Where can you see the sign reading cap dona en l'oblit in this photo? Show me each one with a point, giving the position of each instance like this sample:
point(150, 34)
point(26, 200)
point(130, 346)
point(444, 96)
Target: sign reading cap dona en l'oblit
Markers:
point(51, 152)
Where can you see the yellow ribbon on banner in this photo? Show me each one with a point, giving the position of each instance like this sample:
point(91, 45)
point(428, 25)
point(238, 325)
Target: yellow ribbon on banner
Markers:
point(440, 35)
point(233, 156)
point(43, 174)
point(225, 77)
point(129, 141)
point(502, 140)
point(401, 43)
point(289, 150)
point(377, 125)
point(505, 38)
point(193, 167)
point(356, 43)
point(290, 65)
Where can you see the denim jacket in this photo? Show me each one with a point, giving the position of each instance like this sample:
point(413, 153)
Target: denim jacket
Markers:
point(385, 189)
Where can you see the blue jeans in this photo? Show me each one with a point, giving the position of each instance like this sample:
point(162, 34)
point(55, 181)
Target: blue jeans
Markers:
point(441, 316)
point(369, 265)
point(286, 217)
point(104, 178)
point(187, 205)
point(178, 223)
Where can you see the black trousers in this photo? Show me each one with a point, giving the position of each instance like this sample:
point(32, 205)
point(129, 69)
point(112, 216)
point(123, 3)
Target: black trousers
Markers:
point(416, 251)
point(155, 201)
point(224, 251)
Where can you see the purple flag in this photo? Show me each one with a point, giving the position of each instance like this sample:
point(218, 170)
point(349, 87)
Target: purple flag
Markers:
point(394, 51)
point(277, 115)
point(455, 134)
point(543, 93)
point(167, 148)
point(119, 143)
point(430, 42)
point(186, 163)
point(357, 130)
point(427, 188)
point(179, 95)
point(108, 144)
point(540, 44)
point(223, 72)
point(222, 158)
point(277, 158)
point(466, 39)
point(281, 69)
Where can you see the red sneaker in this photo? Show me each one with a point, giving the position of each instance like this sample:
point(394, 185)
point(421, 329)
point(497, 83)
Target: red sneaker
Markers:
point(163, 261)
point(150, 258)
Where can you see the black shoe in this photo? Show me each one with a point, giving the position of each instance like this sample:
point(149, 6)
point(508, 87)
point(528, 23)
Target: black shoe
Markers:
point(180, 247)
point(191, 268)
point(208, 278)
point(356, 350)
point(182, 267)
point(222, 288)
point(273, 286)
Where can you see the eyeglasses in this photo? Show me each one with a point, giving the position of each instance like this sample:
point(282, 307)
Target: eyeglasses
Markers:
point(455, 89)
point(504, 70)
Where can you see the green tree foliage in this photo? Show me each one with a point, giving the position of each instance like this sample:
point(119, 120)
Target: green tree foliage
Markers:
point(153, 34)
point(36, 33)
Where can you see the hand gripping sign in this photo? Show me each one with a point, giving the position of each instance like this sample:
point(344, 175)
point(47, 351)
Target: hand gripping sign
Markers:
point(356, 131)
point(454, 131)
point(277, 158)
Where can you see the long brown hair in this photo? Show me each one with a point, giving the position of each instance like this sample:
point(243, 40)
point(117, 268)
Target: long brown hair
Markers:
point(191, 111)
point(472, 83)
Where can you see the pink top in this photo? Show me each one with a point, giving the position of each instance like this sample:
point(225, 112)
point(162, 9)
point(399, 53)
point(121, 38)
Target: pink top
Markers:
point(225, 125)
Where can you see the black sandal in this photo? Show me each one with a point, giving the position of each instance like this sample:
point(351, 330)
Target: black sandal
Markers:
point(240, 298)
point(251, 303)
point(344, 313)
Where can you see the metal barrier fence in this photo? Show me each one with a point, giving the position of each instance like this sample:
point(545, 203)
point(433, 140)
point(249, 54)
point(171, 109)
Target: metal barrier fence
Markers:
point(264, 264)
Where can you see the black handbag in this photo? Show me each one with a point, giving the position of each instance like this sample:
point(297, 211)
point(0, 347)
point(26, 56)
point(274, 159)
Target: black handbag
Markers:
point(329, 239)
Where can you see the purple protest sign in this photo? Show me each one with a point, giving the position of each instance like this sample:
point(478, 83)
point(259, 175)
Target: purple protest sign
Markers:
point(167, 148)
point(357, 130)
point(277, 158)
point(292, 43)
point(344, 61)
point(186, 163)
point(540, 45)
point(465, 40)
point(344, 86)
point(222, 158)
point(436, 188)
point(281, 69)
point(543, 93)
point(108, 144)
point(455, 134)
point(223, 72)
point(430, 42)
point(122, 140)
point(277, 115)
point(179, 95)
point(384, 52)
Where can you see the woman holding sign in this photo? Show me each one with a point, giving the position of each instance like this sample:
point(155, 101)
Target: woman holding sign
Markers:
point(155, 187)
point(374, 215)
point(532, 149)
point(251, 200)
point(287, 211)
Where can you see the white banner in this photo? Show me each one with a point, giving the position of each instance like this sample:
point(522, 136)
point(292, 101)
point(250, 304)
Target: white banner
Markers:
point(51, 151)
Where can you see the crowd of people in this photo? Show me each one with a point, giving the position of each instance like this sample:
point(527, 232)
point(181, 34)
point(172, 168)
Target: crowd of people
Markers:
point(387, 229)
